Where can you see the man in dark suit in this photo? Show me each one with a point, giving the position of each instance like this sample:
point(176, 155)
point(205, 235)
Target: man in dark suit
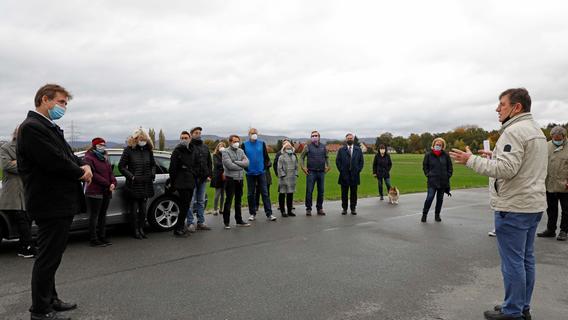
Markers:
point(349, 162)
point(52, 177)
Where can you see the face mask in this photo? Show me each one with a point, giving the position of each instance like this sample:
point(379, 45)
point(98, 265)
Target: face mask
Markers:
point(142, 143)
point(382, 150)
point(289, 151)
point(438, 148)
point(56, 112)
point(558, 143)
point(198, 138)
point(222, 149)
point(185, 143)
point(315, 139)
point(508, 117)
point(235, 145)
point(101, 149)
point(254, 136)
point(350, 142)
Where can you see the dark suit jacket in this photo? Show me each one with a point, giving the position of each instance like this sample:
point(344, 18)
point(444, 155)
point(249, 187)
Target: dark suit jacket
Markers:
point(49, 169)
point(349, 166)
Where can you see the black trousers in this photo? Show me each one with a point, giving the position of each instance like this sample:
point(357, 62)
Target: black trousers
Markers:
point(52, 237)
point(552, 211)
point(97, 217)
point(349, 194)
point(185, 196)
point(233, 189)
point(286, 200)
point(24, 225)
point(138, 213)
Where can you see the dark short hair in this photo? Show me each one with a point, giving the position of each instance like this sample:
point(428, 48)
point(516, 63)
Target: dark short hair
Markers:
point(234, 136)
point(50, 90)
point(184, 132)
point(315, 131)
point(518, 95)
point(382, 146)
point(195, 129)
point(349, 134)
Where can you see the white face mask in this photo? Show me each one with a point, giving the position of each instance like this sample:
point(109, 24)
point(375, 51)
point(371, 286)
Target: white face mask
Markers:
point(289, 151)
point(254, 136)
point(382, 150)
point(222, 149)
point(142, 143)
point(235, 145)
point(101, 149)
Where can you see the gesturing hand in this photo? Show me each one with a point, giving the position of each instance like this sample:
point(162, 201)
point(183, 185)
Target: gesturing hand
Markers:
point(459, 156)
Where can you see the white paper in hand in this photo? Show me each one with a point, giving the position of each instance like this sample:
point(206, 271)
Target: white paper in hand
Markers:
point(486, 146)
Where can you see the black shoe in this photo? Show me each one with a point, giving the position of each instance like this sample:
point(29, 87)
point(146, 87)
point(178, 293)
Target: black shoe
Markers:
point(291, 214)
point(143, 234)
point(424, 216)
point(344, 212)
point(321, 212)
point(48, 316)
point(308, 212)
point(61, 306)
point(96, 243)
point(106, 242)
point(498, 315)
point(382, 198)
point(137, 234)
point(27, 252)
point(354, 212)
point(526, 313)
point(181, 233)
point(437, 217)
point(284, 215)
point(546, 234)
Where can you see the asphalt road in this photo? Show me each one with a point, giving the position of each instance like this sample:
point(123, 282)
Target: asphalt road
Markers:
point(381, 264)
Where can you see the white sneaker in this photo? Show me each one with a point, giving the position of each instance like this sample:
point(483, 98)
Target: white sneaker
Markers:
point(252, 218)
point(191, 228)
point(227, 227)
point(271, 218)
point(491, 233)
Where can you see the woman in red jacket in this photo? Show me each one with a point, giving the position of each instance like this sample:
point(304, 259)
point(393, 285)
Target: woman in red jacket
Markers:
point(99, 191)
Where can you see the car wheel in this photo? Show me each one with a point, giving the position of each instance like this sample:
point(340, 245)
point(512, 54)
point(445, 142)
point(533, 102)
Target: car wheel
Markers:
point(164, 213)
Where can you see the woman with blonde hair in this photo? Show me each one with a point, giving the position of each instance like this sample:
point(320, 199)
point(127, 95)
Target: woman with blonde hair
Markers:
point(438, 169)
point(287, 178)
point(138, 166)
point(218, 179)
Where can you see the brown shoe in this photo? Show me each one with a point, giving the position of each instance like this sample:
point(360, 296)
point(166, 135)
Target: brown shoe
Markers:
point(321, 212)
point(202, 226)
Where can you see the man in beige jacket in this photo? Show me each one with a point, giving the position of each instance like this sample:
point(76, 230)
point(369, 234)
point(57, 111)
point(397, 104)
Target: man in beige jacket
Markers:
point(517, 171)
point(557, 184)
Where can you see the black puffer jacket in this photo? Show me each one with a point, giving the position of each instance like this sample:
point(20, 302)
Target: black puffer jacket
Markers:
point(438, 170)
point(202, 165)
point(217, 179)
point(382, 165)
point(181, 175)
point(137, 164)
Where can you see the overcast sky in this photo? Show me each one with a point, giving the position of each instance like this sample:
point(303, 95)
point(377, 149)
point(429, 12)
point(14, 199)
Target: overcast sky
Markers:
point(285, 67)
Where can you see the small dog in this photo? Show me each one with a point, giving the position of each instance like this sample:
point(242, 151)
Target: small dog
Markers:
point(394, 194)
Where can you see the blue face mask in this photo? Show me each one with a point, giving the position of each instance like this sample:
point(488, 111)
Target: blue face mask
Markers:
point(56, 112)
point(438, 148)
point(558, 143)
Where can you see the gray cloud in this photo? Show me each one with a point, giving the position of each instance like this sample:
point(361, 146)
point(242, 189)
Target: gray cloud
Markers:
point(284, 67)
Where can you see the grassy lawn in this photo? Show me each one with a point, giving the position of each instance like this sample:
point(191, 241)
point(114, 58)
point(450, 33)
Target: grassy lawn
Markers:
point(406, 174)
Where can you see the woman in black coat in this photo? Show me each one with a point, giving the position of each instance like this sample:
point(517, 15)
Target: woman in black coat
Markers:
point(438, 168)
point(381, 169)
point(138, 166)
point(218, 179)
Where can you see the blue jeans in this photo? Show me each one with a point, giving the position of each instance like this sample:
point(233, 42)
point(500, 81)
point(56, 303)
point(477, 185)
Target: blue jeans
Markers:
point(252, 182)
point(199, 203)
point(515, 238)
point(313, 178)
point(433, 192)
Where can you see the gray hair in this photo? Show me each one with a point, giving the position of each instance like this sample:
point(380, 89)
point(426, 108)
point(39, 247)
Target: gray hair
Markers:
point(558, 130)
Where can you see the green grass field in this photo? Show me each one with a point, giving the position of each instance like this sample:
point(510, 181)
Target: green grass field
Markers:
point(406, 174)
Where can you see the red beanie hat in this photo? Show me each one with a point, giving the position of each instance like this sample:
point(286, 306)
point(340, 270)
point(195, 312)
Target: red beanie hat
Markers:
point(98, 141)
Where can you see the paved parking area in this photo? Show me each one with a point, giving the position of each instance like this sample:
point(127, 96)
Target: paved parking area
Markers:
point(381, 264)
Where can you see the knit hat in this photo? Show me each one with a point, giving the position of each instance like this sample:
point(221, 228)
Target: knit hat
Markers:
point(97, 140)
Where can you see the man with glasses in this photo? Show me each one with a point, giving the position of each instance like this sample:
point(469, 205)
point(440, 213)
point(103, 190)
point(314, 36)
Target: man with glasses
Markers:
point(317, 166)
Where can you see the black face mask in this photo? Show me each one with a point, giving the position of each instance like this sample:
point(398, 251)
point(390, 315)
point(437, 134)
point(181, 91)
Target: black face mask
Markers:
point(349, 142)
point(508, 117)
